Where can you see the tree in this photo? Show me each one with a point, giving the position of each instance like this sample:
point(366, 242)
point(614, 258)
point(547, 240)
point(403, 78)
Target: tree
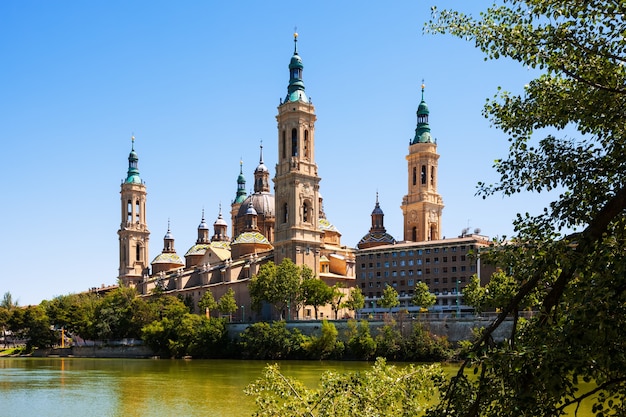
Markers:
point(355, 301)
point(316, 293)
point(277, 285)
point(8, 302)
point(571, 257)
point(227, 304)
point(338, 294)
point(384, 390)
point(422, 296)
point(207, 303)
point(389, 299)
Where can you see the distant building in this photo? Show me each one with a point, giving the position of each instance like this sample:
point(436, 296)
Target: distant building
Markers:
point(445, 265)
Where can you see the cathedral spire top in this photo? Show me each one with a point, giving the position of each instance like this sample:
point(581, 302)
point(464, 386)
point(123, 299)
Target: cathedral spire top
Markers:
point(132, 176)
point(295, 90)
point(422, 131)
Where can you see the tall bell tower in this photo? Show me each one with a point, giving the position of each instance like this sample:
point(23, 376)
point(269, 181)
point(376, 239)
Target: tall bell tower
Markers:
point(422, 206)
point(133, 234)
point(296, 184)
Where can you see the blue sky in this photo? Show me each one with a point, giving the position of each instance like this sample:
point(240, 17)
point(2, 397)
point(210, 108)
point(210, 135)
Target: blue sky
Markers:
point(198, 83)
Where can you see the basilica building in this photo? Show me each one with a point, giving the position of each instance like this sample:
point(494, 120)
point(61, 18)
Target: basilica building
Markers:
point(290, 223)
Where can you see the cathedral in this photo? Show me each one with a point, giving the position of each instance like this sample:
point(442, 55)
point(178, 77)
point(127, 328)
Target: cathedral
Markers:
point(290, 223)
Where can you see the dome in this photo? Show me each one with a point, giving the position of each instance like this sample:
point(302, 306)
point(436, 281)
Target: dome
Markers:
point(296, 62)
point(168, 258)
point(168, 235)
point(251, 237)
point(203, 225)
point(220, 221)
point(261, 168)
point(263, 204)
point(376, 239)
point(423, 108)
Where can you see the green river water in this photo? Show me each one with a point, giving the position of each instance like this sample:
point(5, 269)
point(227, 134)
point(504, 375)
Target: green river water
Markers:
point(142, 387)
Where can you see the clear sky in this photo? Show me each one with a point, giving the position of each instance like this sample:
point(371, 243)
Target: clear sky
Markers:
point(198, 84)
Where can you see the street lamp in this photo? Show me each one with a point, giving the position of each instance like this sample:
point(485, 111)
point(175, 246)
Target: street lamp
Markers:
point(243, 313)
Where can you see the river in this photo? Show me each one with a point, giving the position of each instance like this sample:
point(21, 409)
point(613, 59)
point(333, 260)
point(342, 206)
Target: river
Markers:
point(141, 387)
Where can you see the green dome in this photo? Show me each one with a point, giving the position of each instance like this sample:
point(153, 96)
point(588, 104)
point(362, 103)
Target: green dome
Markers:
point(422, 131)
point(132, 176)
point(295, 90)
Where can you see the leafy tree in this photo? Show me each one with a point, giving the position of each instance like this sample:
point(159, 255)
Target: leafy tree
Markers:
point(5, 315)
point(316, 293)
point(360, 344)
point(8, 302)
point(338, 294)
point(422, 296)
point(389, 299)
point(355, 301)
point(227, 304)
point(277, 285)
point(207, 303)
point(383, 390)
point(326, 345)
point(271, 341)
point(474, 295)
point(571, 256)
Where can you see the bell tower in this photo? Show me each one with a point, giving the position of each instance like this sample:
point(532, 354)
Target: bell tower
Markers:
point(133, 233)
point(422, 206)
point(296, 184)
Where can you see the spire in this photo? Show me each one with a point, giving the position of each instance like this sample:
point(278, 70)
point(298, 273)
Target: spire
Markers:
point(422, 131)
point(241, 186)
point(168, 240)
point(295, 90)
point(261, 176)
point(219, 228)
point(132, 176)
point(203, 231)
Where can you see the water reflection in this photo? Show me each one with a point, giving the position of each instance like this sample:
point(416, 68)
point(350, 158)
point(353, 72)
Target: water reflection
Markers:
point(137, 387)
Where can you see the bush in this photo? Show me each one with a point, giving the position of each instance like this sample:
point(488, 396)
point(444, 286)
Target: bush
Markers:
point(271, 341)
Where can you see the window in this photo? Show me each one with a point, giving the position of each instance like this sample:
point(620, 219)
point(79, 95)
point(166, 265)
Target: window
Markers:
point(410, 262)
point(444, 280)
point(284, 145)
point(414, 176)
point(129, 212)
point(436, 259)
point(454, 269)
point(427, 271)
point(419, 272)
point(423, 174)
point(411, 283)
point(402, 253)
point(394, 263)
point(377, 264)
point(394, 273)
point(378, 273)
point(386, 273)
point(306, 144)
point(410, 272)
point(419, 251)
point(371, 264)
point(454, 258)
point(445, 269)
point(445, 259)
point(414, 234)
point(305, 212)
point(402, 273)
point(285, 213)
point(402, 262)
point(387, 264)
point(137, 211)
point(462, 258)
point(427, 251)
point(294, 142)
point(138, 252)
point(419, 261)
point(427, 261)
point(463, 268)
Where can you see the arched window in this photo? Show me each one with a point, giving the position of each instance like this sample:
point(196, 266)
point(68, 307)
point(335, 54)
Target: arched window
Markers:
point(294, 142)
point(432, 176)
point(414, 176)
point(284, 147)
point(305, 212)
point(306, 144)
point(423, 174)
point(285, 213)
point(129, 212)
point(414, 234)
point(138, 252)
point(137, 211)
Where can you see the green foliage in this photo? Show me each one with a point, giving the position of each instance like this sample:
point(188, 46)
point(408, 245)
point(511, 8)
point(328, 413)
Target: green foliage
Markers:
point(355, 301)
point(389, 342)
point(207, 303)
point(271, 341)
point(568, 260)
point(277, 285)
point(422, 296)
point(383, 390)
point(423, 346)
point(8, 302)
point(337, 295)
point(316, 293)
point(326, 345)
point(227, 303)
point(390, 298)
point(360, 343)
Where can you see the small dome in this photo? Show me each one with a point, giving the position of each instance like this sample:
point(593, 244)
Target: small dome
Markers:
point(263, 204)
point(423, 108)
point(168, 235)
point(220, 221)
point(376, 239)
point(251, 210)
point(261, 168)
point(168, 258)
point(203, 225)
point(296, 62)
